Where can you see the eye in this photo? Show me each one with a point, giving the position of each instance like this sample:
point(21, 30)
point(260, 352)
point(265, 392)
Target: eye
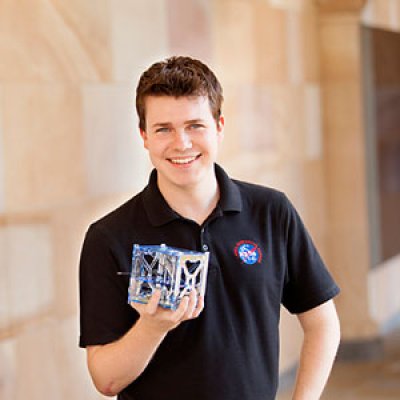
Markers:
point(195, 126)
point(162, 130)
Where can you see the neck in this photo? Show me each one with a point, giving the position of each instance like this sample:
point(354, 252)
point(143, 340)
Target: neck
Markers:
point(195, 203)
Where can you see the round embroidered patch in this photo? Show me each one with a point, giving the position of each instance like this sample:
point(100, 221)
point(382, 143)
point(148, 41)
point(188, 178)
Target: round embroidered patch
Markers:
point(248, 252)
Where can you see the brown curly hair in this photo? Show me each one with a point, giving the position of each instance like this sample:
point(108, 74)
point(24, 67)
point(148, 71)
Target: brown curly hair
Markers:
point(178, 76)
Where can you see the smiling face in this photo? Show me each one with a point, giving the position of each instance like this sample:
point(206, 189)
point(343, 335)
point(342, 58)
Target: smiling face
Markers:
point(182, 138)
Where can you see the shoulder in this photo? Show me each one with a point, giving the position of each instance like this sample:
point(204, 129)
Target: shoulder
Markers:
point(119, 219)
point(255, 195)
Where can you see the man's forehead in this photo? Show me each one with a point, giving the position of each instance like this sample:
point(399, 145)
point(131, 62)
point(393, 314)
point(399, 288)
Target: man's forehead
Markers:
point(187, 107)
point(166, 98)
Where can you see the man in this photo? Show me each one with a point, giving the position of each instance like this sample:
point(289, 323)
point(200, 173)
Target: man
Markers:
point(225, 346)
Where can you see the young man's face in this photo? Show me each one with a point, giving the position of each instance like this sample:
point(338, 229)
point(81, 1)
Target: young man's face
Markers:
point(182, 138)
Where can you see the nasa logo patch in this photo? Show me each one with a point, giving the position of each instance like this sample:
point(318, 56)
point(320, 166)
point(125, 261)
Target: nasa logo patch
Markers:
point(248, 252)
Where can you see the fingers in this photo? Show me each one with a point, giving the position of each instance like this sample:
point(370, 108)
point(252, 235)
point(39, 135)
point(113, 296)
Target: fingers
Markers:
point(152, 305)
point(190, 307)
point(180, 312)
point(199, 307)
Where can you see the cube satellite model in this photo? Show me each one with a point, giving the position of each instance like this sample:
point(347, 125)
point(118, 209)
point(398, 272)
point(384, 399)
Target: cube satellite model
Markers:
point(176, 272)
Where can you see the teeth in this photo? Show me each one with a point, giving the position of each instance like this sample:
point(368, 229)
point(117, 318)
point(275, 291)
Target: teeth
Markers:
point(182, 160)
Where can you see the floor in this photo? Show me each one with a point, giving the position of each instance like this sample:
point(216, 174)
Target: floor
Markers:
point(372, 380)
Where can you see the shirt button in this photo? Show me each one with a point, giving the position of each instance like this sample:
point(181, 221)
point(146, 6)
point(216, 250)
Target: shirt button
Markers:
point(205, 247)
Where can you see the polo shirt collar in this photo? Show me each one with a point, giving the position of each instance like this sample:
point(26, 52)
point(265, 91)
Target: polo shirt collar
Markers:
point(230, 198)
point(160, 213)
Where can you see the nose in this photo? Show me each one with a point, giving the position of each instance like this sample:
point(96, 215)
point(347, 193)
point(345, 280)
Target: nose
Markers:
point(182, 140)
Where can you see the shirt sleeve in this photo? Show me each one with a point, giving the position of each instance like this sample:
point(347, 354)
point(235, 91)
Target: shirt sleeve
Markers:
point(105, 314)
point(308, 282)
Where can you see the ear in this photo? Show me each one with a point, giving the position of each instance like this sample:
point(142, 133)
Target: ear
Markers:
point(144, 136)
point(220, 127)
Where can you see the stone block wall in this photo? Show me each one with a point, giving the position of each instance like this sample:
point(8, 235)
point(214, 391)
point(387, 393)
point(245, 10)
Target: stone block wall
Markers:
point(70, 149)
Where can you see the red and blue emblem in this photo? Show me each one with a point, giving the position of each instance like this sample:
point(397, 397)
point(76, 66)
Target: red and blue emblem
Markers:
point(248, 252)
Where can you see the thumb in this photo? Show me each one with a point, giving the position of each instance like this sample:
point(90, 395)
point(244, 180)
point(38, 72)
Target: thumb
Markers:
point(154, 300)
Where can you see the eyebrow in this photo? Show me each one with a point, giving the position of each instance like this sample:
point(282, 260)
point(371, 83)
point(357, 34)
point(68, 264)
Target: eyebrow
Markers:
point(190, 121)
point(194, 121)
point(162, 124)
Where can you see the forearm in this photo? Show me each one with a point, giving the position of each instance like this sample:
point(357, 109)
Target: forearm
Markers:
point(321, 340)
point(114, 366)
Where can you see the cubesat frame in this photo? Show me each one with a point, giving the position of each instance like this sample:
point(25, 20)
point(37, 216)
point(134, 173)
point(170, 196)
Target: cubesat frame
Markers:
point(176, 272)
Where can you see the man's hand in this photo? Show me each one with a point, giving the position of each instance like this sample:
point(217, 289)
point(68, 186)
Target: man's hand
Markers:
point(115, 365)
point(162, 320)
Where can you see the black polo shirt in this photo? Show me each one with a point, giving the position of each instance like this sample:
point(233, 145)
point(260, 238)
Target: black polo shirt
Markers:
point(260, 257)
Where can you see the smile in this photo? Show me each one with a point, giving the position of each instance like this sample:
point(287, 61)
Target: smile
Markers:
point(182, 161)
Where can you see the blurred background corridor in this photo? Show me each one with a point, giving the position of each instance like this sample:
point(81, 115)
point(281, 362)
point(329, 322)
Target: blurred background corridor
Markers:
point(312, 108)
